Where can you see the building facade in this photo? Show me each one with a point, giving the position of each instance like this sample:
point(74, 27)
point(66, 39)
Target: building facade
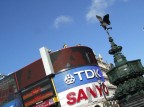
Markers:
point(105, 67)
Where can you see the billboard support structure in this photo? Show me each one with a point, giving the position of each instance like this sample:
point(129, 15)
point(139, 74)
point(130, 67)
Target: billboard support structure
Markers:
point(46, 61)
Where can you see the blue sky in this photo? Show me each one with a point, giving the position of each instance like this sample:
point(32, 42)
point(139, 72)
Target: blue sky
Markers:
point(27, 25)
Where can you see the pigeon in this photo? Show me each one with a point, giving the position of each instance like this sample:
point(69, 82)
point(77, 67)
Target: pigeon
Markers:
point(104, 21)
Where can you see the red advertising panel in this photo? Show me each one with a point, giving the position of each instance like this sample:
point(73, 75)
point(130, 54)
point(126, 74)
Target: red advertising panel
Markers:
point(30, 74)
point(38, 93)
point(72, 57)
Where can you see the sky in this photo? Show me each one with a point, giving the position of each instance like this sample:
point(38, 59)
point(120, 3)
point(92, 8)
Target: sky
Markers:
point(28, 25)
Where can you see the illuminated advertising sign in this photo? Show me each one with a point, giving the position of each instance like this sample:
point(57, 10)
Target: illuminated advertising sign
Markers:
point(16, 102)
point(39, 93)
point(82, 95)
point(30, 74)
point(46, 103)
point(72, 57)
point(61, 60)
point(76, 77)
point(8, 90)
point(79, 86)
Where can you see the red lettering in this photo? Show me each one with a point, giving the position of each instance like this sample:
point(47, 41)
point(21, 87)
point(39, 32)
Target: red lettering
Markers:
point(81, 95)
point(92, 92)
point(71, 98)
point(36, 91)
point(105, 89)
point(84, 95)
point(99, 89)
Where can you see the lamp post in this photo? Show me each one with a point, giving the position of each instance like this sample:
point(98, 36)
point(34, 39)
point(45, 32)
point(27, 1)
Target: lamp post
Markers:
point(101, 87)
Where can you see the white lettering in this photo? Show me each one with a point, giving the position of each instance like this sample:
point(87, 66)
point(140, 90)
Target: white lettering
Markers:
point(97, 74)
point(79, 74)
point(88, 75)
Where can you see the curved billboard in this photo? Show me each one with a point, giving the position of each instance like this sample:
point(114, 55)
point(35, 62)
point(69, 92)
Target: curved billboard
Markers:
point(72, 57)
point(79, 86)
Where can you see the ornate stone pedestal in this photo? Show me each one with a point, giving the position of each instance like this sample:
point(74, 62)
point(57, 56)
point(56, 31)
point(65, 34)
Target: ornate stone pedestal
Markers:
point(128, 77)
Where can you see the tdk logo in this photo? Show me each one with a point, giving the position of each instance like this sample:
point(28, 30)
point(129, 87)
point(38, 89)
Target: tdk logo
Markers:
point(89, 74)
point(69, 79)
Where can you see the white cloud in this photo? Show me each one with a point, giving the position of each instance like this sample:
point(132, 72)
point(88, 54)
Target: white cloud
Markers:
point(62, 20)
point(98, 7)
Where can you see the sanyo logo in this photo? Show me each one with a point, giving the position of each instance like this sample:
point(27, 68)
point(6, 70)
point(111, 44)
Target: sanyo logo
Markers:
point(88, 73)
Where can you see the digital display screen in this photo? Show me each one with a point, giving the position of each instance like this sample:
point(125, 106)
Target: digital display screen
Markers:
point(30, 74)
point(41, 91)
point(8, 89)
point(16, 102)
point(72, 57)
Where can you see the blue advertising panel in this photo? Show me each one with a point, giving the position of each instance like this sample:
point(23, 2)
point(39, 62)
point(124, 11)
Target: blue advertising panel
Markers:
point(17, 102)
point(76, 77)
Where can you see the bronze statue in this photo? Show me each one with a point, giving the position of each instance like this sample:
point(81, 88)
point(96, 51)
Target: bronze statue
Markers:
point(104, 21)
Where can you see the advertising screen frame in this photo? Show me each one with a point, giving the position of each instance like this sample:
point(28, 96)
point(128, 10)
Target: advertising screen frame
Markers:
point(38, 92)
point(72, 57)
point(30, 74)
